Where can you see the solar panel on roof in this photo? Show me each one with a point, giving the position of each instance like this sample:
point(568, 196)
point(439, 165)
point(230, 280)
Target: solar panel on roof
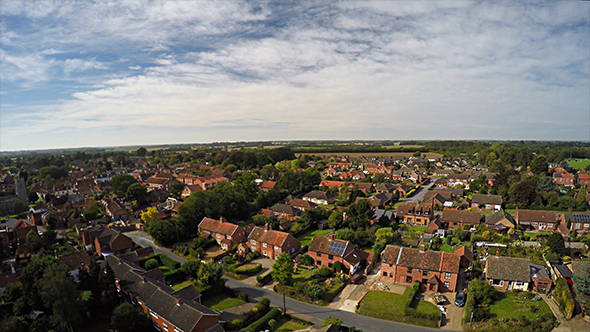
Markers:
point(337, 248)
point(581, 217)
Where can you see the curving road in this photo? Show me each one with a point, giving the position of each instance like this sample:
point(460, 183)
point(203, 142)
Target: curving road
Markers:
point(317, 313)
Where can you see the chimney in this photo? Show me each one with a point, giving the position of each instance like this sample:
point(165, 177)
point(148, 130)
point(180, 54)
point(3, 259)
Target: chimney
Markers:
point(143, 279)
point(497, 252)
point(178, 302)
point(332, 236)
point(422, 248)
point(267, 227)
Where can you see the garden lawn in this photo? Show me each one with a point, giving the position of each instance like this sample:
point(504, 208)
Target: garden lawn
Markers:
point(285, 325)
point(447, 248)
point(307, 237)
point(514, 306)
point(578, 163)
point(417, 229)
point(222, 301)
point(182, 284)
point(301, 275)
point(390, 306)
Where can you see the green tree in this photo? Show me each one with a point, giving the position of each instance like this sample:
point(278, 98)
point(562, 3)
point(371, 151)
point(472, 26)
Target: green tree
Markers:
point(130, 319)
point(109, 296)
point(582, 284)
point(556, 243)
point(332, 321)
point(121, 182)
point(176, 188)
point(359, 214)
point(335, 219)
point(51, 220)
point(34, 240)
point(137, 192)
point(384, 235)
point(539, 165)
point(18, 207)
point(163, 232)
point(245, 184)
point(141, 152)
point(282, 273)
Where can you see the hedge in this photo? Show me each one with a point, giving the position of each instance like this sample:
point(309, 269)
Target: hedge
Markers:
point(248, 317)
point(262, 323)
point(297, 320)
point(169, 262)
point(329, 296)
point(263, 280)
point(174, 276)
point(252, 270)
point(409, 309)
point(563, 296)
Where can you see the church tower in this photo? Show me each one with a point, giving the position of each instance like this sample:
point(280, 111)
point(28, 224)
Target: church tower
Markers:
point(21, 190)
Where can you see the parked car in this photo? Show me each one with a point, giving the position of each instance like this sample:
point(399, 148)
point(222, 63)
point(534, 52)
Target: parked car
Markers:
point(460, 299)
point(356, 278)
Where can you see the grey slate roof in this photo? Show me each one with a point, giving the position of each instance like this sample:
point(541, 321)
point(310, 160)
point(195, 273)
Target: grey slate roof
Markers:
point(539, 272)
point(508, 268)
point(496, 217)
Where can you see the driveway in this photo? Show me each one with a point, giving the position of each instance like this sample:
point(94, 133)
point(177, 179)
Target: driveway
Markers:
point(145, 240)
point(266, 267)
point(454, 313)
point(419, 194)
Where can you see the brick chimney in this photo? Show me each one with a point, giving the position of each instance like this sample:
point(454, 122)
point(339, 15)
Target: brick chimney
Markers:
point(178, 302)
point(422, 248)
point(497, 252)
point(143, 279)
point(267, 227)
point(332, 236)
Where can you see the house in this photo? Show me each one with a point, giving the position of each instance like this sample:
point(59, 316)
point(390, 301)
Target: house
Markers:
point(158, 183)
point(385, 188)
point(439, 197)
point(365, 187)
point(266, 186)
point(415, 213)
point(272, 243)
point(565, 179)
point(487, 202)
point(460, 218)
point(190, 189)
point(112, 241)
point(325, 184)
point(75, 262)
point(302, 204)
point(327, 250)
point(507, 273)
point(169, 310)
point(541, 279)
point(584, 179)
point(562, 271)
point(224, 232)
point(209, 182)
point(541, 220)
point(500, 221)
point(319, 197)
point(438, 271)
point(580, 221)
point(284, 211)
point(114, 210)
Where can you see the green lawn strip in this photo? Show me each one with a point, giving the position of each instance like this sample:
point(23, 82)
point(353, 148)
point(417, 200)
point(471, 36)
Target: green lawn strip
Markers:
point(514, 307)
point(447, 248)
point(285, 325)
point(307, 237)
point(182, 284)
point(390, 306)
point(221, 301)
point(578, 163)
point(417, 229)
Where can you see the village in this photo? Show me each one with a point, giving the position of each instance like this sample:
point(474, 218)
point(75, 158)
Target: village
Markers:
point(193, 238)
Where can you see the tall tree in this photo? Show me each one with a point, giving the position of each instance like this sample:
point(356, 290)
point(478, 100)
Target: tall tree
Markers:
point(127, 318)
point(176, 188)
point(556, 243)
point(121, 182)
point(137, 192)
point(539, 165)
point(282, 273)
point(582, 284)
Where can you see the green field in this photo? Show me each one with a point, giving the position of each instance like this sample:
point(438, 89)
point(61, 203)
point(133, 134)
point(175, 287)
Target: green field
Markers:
point(578, 163)
point(307, 237)
point(390, 306)
point(222, 301)
point(516, 306)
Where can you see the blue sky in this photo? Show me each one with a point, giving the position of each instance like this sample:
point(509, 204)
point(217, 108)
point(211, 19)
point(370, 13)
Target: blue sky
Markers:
point(125, 73)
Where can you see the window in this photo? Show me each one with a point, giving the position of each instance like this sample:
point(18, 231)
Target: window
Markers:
point(410, 270)
point(447, 285)
point(176, 329)
point(153, 314)
point(549, 225)
point(264, 253)
point(425, 273)
point(329, 265)
point(224, 246)
point(319, 254)
point(330, 256)
point(534, 224)
point(385, 274)
point(319, 262)
point(409, 279)
point(519, 283)
point(276, 256)
point(586, 225)
point(447, 275)
point(218, 236)
point(228, 237)
point(276, 247)
point(432, 287)
point(497, 282)
point(264, 245)
point(390, 275)
point(165, 327)
point(140, 303)
point(252, 241)
point(577, 226)
point(157, 327)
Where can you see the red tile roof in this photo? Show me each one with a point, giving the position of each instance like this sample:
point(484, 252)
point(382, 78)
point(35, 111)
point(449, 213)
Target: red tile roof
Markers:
point(272, 237)
point(221, 226)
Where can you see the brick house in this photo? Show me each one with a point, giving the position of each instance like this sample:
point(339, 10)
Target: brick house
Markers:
point(529, 219)
point(460, 218)
point(540, 278)
point(169, 310)
point(565, 179)
point(580, 221)
point(327, 250)
point(328, 184)
point(224, 232)
point(500, 221)
point(110, 240)
point(190, 189)
point(158, 183)
point(415, 213)
point(507, 273)
point(437, 271)
point(209, 182)
point(302, 204)
point(284, 211)
point(584, 179)
point(266, 186)
point(488, 202)
point(319, 197)
point(114, 210)
point(272, 243)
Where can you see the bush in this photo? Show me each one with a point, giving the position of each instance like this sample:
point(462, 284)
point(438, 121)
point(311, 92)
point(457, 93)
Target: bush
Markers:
point(262, 323)
point(263, 280)
point(174, 276)
point(151, 264)
point(169, 262)
point(321, 273)
point(564, 298)
point(314, 292)
point(330, 295)
point(305, 260)
point(297, 320)
point(247, 318)
point(337, 267)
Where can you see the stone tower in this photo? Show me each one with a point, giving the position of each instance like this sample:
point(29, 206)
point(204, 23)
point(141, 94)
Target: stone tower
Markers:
point(21, 190)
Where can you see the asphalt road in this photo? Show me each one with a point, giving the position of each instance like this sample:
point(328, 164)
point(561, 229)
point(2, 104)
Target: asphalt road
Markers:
point(419, 193)
point(317, 313)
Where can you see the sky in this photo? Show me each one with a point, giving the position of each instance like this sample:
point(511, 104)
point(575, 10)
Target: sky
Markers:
point(97, 73)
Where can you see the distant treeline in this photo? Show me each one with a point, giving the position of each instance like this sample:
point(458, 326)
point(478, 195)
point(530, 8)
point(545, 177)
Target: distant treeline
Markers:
point(356, 149)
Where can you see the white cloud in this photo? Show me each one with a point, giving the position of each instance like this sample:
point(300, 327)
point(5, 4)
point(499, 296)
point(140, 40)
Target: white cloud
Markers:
point(79, 65)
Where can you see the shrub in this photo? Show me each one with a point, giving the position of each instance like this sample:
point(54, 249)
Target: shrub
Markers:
point(151, 264)
point(263, 280)
point(314, 292)
point(564, 298)
point(174, 276)
point(305, 260)
point(262, 323)
point(297, 320)
point(321, 273)
point(169, 262)
point(247, 318)
point(337, 267)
